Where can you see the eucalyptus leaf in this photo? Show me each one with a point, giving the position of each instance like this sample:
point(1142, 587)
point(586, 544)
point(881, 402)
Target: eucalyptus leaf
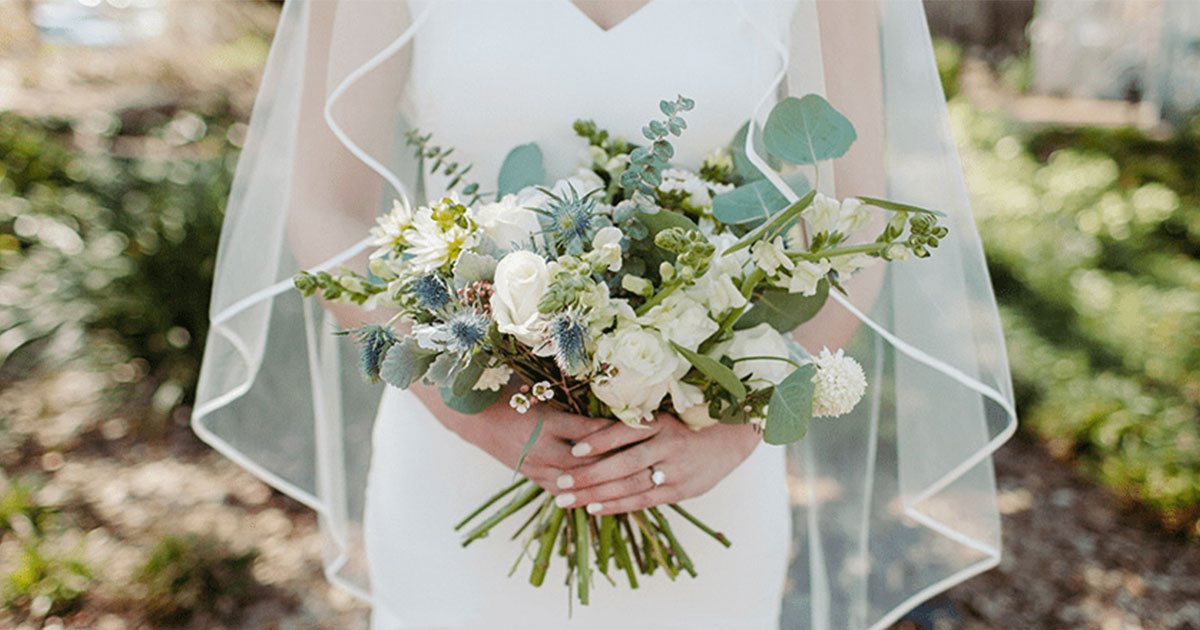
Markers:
point(522, 167)
point(715, 370)
point(898, 207)
point(807, 130)
point(664, 219)
point(754, 202)
point(784, 311)
point(471, 404)
point(790, 408)
point(404, 363)
point(741, 163)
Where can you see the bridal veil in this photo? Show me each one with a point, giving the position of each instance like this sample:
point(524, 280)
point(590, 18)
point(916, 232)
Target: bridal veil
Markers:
point(892, 504)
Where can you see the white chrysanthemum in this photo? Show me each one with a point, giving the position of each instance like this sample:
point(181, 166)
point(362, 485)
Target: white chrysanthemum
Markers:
point(493, 378)
point(389, 228)
point(840, 384)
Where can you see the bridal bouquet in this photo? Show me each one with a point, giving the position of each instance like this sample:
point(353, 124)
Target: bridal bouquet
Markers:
point(633, 286)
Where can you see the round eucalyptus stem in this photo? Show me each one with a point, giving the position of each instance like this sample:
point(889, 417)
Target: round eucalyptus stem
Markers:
point(705, 528)
point(540, 517)
point(546, 546)
point(583, 573)
point(512, 506)
point(651, 538)
point(676, 548)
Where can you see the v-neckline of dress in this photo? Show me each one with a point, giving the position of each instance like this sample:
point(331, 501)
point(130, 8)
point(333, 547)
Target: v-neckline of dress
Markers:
point(576, 9)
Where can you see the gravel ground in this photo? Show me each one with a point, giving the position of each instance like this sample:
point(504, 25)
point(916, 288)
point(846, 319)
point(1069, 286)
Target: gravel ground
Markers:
point(1074, 556)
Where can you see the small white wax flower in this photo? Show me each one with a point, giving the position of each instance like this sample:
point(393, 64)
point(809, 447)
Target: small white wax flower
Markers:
point(807, 275)
point(770, 256)
point(493, 378)
point(542, 390)
point(840, 384)
point(520, 402)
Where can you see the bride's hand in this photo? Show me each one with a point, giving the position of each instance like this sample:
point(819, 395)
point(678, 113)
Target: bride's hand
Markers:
point(502, 433)
point(691, 461)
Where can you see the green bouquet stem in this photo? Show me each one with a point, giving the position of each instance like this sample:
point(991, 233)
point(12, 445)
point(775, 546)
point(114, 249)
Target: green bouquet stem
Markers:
point(638, 542)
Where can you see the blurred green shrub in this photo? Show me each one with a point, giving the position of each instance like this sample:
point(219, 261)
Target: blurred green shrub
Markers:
point(949, 57)
point(40, 577)
point(122, 245)
point(186, 575)
point(1090, 243)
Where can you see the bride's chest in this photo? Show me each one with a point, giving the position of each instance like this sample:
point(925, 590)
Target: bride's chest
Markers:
point(489, 74)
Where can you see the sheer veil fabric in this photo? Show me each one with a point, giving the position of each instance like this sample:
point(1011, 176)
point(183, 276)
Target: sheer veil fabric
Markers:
point(891, 504)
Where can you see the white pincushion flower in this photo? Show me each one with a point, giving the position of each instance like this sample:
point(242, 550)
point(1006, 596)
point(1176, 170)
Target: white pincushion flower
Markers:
point(389, 228)
point(807, 275)
point(493, 378)
point(770, 256)
point(521, 278)
point(840, 384)
point(506, 221)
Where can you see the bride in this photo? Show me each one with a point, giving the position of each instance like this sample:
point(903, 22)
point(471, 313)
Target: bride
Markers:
point(865, 518)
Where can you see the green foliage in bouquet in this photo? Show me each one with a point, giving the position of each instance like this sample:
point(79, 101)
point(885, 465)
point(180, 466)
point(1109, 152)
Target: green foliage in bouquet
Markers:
point(632, 287)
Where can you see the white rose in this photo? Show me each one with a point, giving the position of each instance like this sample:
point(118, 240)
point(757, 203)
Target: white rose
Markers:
point(506, 221)
point(520, 281)
point(645, 366)
point(847, 265)
point(682, 320)
point(807, 275)
point(760, 341)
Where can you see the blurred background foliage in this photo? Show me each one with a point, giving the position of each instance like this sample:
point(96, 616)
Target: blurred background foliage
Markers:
point(109, 224)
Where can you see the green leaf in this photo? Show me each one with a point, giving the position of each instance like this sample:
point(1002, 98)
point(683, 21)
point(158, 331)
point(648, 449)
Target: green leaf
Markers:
point(715, 370)
point(898, 207)
point(777, 220)
point(754, 202)
point(471, 404)
point(464, 383)
point(807, 130)
point(664, 219)
point(784, 311)
point(522, 167)
point(441, 372)
point(741, 163)
point(471, 267)
point(405, 362)
point(537, 430)
point(790, 408)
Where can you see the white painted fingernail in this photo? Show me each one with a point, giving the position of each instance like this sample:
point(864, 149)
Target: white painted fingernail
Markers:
point(565, 481)
point(581, 449)
point(564, 500)
point(592, 508)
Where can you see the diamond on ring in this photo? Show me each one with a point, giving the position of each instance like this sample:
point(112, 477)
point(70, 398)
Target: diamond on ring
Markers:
point(657, 477)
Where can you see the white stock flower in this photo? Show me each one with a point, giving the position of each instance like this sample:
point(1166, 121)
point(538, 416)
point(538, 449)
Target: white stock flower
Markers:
point(848, 265)
point(506, 221)
point(807, 275)
point(520, 281)
point(645, 366)
point(760, 341)
point(823, 214)
point(606, 248)
point(681, 319)
point(770, 256)
point(854, 216)
point(493, 378)
point(840, 384)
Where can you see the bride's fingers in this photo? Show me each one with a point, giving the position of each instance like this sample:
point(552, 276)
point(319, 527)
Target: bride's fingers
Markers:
point(615, 466)
point(636, 483)
point(650, 498)
point(569, 426)
point(613, 437)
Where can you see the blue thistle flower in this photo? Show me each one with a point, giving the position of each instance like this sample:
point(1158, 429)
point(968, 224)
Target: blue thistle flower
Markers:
point(431, 292)
point(375, 340)
point(467, 330)
point(570, 338)
point(570, 220)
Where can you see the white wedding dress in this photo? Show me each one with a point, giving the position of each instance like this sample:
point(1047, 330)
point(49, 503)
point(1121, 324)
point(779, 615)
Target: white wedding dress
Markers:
point(423, 478)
